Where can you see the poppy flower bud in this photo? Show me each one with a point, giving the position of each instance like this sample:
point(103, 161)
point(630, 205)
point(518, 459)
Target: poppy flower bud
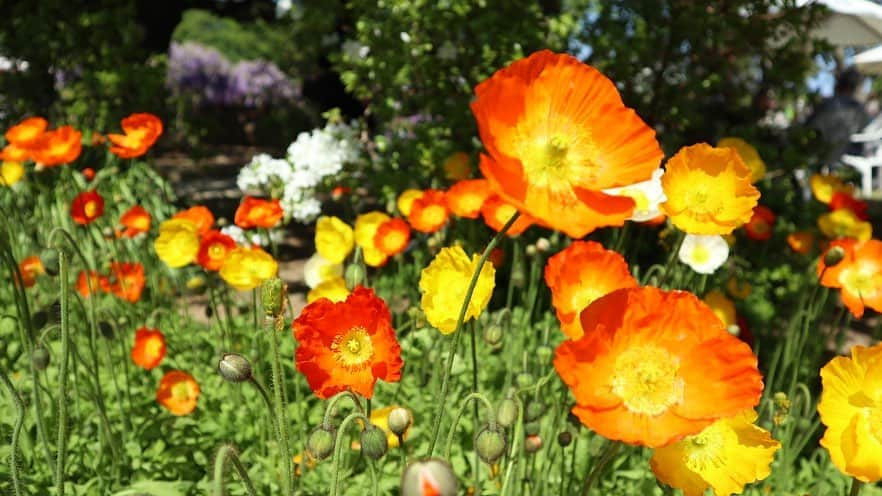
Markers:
point(543, 245)
point(530, 250)
point(108, 233)
point(234, 368)
point(49, 259)
point(524, 380)
point(354, 275)
point(833, 256)
point(532, 428)
point(490, 443)
point(507, 412)
point(493, 334)
point(564, 439)
point(399, 421)
point(40, 357)
point(518, 278)
point(40, 319)
point(373, 442)
point(532, 443)
point(272, 294)
point(106, 329)
point(544, 353)
point(429, 477)
point(320, 443)
point(534, 411)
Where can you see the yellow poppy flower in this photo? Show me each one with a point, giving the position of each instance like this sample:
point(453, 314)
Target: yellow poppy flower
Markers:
point(748, 154)
point(178, 242)
point(725, 456)
point(406, 199)
point(334, 239)
point(722, 307)
point(444, 283)
point(457, 167)
point(708, 190)
point(366, 226)
point(824, 186)
point(247, 268)
point(11, 173)
point(333, 289)
point(851, 409)
point(843, 223)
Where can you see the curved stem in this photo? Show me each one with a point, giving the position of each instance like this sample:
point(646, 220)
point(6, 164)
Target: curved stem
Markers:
point(445, 382)
point(16, 433)
point(228, 453)
point(61, 448)
point(460, 413)
point(332, 405)
point(341, 433)
point(608, 454)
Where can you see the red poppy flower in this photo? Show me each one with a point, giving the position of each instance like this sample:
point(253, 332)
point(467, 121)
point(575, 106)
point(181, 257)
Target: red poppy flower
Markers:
point(392, 236)
point(842, 199)
point(87, 281)
point(88, 174)
point(56, 147)
point(213, 250)
point(136, 221)
point(141, 132)
point(347, 345)
point(127, 280)
point(254, 212)
point(149, 348)
point(497, 212)
point(428, 213)
point(178, 392)
point(199, 215)
point(87, 207)
point(761, 224)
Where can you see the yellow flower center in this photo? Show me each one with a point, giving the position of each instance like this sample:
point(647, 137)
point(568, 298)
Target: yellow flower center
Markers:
point(703, 449)
point(645, 377)
point(434, 214)
point(353, 349)
point(553, 163)
point(90, 209)
point(861, 280)
point(180, 391)
point(393, 240)
point(639, 197)
point(701, 204)
point(216, 251)
point(700, 255)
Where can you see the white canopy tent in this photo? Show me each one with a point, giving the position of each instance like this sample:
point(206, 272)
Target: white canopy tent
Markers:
point(850, 23)
point(869, 61)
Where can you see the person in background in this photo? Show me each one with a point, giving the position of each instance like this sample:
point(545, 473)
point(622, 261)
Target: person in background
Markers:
point(836, 118)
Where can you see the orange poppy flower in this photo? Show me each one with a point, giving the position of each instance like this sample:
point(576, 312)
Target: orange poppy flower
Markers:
point(761, 224)
point(199, 215)
point(127, 280)
point(497, 212)
point(842, 199)
point(14, 153)
point(429, 213)
point(858, 275)
point(213, 250)
point(30, 268)
point(392, 237)
point(56, 147)
point(87, 207)
point(580, 274)
point(654, 366)
point(86, 281)
point(27, 132)
point(178, 392)
point(136, 221)
point(465, 198)
point(254, 212)
point(88, 174)
point(801, 242)
point(347, 345)
point(141, 132)
point(149, 348)
point(557, 133)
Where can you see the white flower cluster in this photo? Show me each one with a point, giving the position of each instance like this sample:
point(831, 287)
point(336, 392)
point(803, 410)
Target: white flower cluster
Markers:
point(311, 158)
point(249, 238)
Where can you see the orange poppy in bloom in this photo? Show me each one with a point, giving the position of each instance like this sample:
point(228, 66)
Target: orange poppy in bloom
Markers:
point(429, 213)
point(842, 199)
point(200, 216)
point(27, 132)
point(178, 392)
point(497, 212)
point(87, 207)
point(557, 134)
point(655, 366)
point(149, 348)
point(136, 221)
point(13, 153)
point(347, 345)
point(87, 281)
point(56, 147)
point(30, 268)
point(127, 280)
point(801, 242)
point(580, 274)
point(465, 198)
point(761, 224)
point(858, 275)
point(213, 250)
point(392, 237)
point(141, 132)
point(254, 212)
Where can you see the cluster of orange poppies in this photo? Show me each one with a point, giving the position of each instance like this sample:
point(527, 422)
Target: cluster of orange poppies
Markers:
point(178, 391)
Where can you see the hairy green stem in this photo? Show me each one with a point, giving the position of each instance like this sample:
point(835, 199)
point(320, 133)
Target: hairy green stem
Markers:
point(61, 447)
point(16, 434)
point(280, 405)
point(224, 454)
point(341, 433)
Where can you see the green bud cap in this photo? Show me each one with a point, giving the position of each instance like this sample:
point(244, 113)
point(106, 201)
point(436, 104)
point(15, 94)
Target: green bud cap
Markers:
point(40, 357)
point(272, 294)
point(49, 259)
point(106, 329)
point(507, 412)
point(354, 275)
point(373, 442)
point(833, 256)
point(532, 443)
point(490, 444)
point(399, 420)
point(534, 411)
point(431, 474)
point(234, 368)
point(564, 439)
point(320, 443)
point(493, 334)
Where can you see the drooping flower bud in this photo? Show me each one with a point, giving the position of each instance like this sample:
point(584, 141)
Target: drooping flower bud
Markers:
point(833, 256)
point(564, 439)
point(354, 275)
point(490, 443)
point(399, 420)
point(432, 476)
point(106, 329)
point(49, 259)
point(234, 368)
point(493, 334)
point(40, 357)
point(544, 353)
point(373, 442)
point(531, 428)
point(532, 443)
point(320, 443)
point(507, 412)
point(534, 411)
point(272, 294)
point(524, 380)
